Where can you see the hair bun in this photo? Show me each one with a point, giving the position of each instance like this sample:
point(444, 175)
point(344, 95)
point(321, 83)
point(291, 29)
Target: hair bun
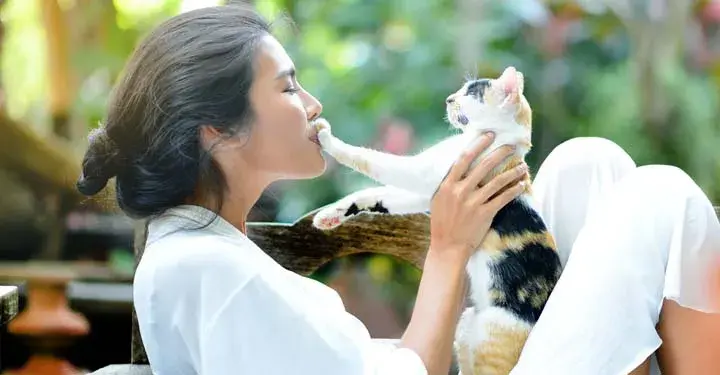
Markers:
point(100, 164)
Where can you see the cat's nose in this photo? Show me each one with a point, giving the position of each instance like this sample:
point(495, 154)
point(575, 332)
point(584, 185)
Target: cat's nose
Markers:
point(450, 99)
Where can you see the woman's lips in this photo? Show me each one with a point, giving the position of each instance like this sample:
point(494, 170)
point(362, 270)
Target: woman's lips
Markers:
point(313, 134)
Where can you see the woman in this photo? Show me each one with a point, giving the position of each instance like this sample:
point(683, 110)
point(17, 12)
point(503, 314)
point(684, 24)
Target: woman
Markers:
point(209, 113)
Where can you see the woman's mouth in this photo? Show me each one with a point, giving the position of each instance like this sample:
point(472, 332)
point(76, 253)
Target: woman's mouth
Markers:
point(313, 134)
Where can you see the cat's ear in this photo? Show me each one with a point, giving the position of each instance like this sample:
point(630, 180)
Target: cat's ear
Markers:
point(512, 85)
point(510, 81)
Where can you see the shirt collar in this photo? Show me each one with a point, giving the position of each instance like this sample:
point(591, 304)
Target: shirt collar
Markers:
point(189, 218)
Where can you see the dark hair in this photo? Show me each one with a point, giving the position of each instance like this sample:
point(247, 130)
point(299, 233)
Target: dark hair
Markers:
point(195, 69)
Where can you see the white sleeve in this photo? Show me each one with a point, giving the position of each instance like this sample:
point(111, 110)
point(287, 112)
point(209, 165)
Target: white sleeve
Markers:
point(262, 329)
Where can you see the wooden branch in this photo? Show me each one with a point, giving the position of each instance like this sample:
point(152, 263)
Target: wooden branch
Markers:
point(302, 248)
point(45, 164)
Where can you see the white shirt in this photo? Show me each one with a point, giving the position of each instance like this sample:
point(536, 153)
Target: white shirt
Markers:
point(210, 302)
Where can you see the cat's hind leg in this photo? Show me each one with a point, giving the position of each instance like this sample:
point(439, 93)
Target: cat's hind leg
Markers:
point(375, 200)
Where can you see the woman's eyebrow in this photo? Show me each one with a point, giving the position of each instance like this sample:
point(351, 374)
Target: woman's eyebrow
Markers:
point(290, 72)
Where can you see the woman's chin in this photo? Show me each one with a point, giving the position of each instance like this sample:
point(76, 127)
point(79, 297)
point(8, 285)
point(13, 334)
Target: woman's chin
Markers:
point(314, 169)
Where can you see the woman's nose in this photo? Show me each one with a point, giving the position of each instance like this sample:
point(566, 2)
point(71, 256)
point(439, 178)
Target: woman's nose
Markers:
point(313, 107)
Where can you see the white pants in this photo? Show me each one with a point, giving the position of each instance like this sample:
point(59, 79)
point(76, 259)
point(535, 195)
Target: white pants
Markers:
point(629, 237)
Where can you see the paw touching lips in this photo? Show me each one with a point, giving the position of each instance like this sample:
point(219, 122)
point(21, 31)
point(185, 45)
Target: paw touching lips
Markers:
point(319, 132)
point(315, 127)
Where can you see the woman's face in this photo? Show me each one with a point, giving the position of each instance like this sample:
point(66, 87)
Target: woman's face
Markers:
point(278, 144)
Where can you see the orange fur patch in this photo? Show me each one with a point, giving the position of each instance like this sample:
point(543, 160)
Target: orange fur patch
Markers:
point(524, 113)
point(500, 354)
point(511, 163)
point(494, 243)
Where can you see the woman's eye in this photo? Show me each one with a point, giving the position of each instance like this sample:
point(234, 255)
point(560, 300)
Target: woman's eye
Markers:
point(291, 90)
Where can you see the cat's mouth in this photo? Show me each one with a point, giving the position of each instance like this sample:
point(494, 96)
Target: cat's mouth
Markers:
point(462, 119)
point(457, 117)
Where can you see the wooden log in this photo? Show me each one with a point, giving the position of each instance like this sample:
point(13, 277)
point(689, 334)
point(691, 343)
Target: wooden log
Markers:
point(44, 164)
point(302, 248)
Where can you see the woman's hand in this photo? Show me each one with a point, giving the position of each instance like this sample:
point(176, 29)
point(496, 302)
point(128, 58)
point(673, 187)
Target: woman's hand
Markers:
point(461, 210)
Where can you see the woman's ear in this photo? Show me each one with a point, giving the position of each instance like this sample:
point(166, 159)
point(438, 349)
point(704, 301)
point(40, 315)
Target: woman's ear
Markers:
point(209, 136)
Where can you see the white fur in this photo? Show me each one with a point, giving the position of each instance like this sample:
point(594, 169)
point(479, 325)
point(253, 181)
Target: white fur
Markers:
point(479, 273)
point(472, 326)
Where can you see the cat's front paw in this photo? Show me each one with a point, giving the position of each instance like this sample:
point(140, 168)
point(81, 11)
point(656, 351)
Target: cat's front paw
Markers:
point(324, 132)
point(330, 217)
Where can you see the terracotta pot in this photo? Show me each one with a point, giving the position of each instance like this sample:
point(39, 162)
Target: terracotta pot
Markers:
point(48, 326)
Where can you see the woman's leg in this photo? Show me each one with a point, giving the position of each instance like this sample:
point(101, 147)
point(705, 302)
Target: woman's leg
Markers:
point(574, 174)
point(691, 341)
point(646, 237)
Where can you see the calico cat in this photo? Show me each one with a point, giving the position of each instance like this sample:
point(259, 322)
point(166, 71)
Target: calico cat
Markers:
point(517, 265)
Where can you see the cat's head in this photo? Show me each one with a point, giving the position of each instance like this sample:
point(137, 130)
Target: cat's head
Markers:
point(487, 103)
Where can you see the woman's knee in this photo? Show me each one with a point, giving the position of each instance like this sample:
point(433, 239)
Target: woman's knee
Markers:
point(588, 153)
point(663, 183)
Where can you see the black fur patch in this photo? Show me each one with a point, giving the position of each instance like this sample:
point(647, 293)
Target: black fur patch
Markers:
point(516, 218)
point(354, 209)
point(477, 88)
point(521, 276)
point(532, 271)
point(378, 207)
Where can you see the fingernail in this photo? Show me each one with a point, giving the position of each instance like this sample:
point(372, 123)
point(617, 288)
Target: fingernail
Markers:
point(522, 167)
point(490, 134)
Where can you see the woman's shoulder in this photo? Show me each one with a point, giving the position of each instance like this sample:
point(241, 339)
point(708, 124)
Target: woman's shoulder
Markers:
point(204, 251)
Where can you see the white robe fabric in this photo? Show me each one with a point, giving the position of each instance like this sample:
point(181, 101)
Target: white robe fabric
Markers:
point(210, 302)
point(628, 237)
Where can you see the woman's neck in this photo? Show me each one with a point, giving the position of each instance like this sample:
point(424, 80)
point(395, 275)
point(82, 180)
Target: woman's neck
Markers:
point(238, 200)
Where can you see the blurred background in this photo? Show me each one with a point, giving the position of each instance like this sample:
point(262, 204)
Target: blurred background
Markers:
point(643, 73)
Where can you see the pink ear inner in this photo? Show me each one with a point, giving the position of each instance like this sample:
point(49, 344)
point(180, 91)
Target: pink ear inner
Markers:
point(509, 80)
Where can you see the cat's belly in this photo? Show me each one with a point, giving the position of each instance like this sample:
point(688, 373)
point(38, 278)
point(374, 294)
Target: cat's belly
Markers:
point(517, 265)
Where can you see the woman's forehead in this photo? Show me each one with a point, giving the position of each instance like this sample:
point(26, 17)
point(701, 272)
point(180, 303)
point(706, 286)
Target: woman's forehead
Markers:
point(272, 59)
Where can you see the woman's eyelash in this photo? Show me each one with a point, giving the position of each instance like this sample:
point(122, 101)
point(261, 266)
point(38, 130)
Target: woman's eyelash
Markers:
point(292, 90)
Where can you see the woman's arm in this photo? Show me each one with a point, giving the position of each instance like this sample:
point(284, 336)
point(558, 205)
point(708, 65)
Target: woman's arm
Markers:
point(439, 303)
point(461, 214)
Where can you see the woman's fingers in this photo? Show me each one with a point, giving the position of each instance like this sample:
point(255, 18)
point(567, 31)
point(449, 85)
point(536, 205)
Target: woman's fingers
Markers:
point(459, 169)
point(501, 181)
point(497, 203)
point(481, 170)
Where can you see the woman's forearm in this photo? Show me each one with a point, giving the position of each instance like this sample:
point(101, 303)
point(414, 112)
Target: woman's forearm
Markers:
point(440, 298)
